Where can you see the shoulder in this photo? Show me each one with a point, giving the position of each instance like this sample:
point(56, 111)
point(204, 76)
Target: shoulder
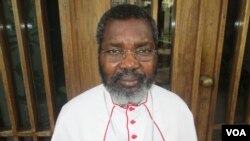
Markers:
point(173, 114)
point(168, 99)
point(76, 117)
point(163, 94)
point(85, 99)
point(170, 105)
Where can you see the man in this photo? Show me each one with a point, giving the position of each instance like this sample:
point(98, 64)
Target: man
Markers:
point(127, 106)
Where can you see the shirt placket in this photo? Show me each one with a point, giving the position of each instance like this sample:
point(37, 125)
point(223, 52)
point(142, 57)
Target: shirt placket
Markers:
point(132, 124)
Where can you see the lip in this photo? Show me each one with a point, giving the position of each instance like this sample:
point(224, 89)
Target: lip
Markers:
point(128, 81)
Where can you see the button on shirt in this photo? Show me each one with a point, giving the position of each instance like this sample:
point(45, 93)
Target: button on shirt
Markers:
point(126, 123)
point(132, 123)
point(92, 116)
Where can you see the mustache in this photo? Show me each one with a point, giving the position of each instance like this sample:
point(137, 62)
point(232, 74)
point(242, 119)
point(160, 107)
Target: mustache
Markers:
point(128, 73)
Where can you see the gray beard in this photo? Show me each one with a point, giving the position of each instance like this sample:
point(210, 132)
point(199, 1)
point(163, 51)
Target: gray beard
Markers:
point(128, 95)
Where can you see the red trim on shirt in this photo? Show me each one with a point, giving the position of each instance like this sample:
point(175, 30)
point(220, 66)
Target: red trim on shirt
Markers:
point(154, 122)
point(108, 122)
point(127, 123)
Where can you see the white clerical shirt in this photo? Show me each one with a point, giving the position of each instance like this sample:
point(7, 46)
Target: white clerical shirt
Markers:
point(93, 116)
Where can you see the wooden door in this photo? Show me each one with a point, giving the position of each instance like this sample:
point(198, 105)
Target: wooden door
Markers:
point(30, 95)
point(78, 19)
point(226, 97)
point(197, 56)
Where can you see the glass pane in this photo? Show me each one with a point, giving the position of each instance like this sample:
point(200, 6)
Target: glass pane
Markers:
point(243, 100)
point(36, 63)
point(145, 4)
point(216, 135)
point(226, 62)
point(25, 139)
point(60, 96)
point(221, 103)
point(16, 70)
point(165, 20)
point(6, 139)
point(118, 2)
point(44, 139)
point(4, 115)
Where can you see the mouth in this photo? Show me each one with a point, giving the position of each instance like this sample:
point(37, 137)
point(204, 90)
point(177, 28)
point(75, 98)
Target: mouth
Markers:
point(128, 81)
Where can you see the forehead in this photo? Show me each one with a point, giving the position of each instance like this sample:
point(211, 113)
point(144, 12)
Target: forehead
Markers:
point(131, 28)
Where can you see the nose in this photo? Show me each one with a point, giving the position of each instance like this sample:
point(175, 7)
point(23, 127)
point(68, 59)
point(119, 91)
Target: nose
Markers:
point(129, 61)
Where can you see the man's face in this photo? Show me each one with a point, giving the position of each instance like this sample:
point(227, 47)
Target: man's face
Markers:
point(127, 79)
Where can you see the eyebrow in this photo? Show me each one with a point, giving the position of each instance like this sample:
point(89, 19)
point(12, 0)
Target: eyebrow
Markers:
point(116, 44)
point(136, 45)
point(144, 43)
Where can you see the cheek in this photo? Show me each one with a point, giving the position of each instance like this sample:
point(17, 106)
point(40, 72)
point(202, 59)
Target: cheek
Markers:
point(108, 68)
point(149, 68)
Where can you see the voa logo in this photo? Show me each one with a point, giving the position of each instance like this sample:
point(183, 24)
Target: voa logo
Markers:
point(236, 132)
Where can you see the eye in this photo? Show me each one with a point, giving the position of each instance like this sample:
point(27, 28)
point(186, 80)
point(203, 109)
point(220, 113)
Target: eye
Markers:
point(144, 51)
point(114, 52)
